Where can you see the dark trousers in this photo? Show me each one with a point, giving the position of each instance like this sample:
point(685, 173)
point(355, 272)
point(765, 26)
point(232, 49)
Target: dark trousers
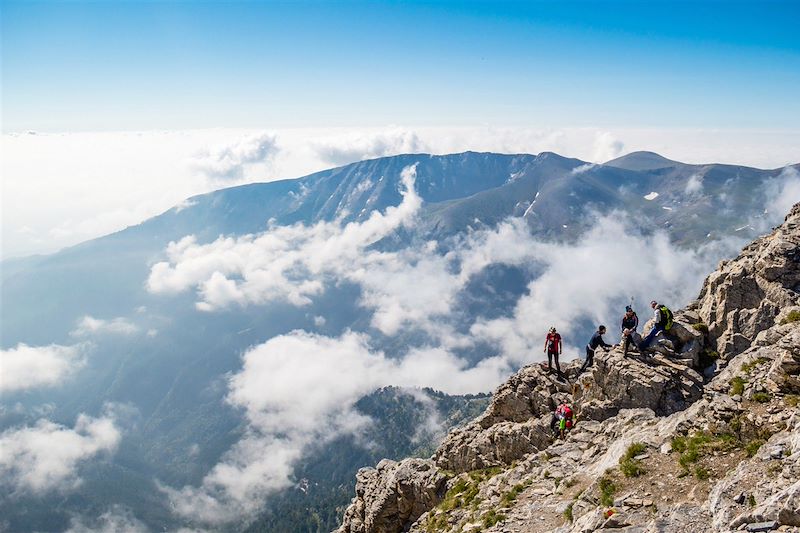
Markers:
point(650, 336)
point(589, 359)
point(550, 357)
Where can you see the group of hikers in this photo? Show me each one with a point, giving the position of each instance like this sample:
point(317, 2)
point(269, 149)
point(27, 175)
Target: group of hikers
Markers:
point(562, 419)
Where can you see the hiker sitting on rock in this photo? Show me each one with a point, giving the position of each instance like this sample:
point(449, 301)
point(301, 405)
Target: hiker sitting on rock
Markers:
point(663, 322)
point(561, 421)
point(552, 345)
point(594, 343)
point(630, 322)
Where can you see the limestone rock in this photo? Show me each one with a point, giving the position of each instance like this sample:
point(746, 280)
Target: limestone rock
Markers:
point(745, 295)
point(393, 495)
point(617, 383)
point(514, 424)
point(472, 447)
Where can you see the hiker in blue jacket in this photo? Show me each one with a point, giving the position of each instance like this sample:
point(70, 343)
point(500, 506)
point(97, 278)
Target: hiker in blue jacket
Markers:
point(596, 342)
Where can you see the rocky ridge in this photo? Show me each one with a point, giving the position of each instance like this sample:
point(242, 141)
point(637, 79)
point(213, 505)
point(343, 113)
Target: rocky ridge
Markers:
point(702, 435)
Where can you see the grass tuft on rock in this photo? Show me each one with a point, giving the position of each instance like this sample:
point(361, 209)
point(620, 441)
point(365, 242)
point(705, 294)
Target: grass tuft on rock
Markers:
point(737, 386)
point(628, 465)
point(511, 496)
point(793, 316)
point(747, 367)
point(761, 397)
point(492, 517)
point(568, 512)
point(607, 491)
point(752, 447)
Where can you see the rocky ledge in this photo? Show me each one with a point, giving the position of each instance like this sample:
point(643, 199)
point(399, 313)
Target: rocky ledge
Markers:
point(703, 435)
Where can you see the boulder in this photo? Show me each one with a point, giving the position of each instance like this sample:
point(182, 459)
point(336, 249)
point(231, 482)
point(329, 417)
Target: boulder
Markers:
point(616, 383)
point(390, 497)
point(473, 447)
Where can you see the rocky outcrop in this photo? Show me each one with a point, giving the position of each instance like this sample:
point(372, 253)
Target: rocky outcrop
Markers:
point(745, 295)
point(514, 424)
point(616, 383)
point(658, 446)
point(393, 495)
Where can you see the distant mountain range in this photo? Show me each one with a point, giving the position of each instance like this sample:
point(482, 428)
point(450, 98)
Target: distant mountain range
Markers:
point(170, 372)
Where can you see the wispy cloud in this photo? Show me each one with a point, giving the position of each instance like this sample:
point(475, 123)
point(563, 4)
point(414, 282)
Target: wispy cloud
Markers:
point(606, 147)
point(782, 192)
point(89, 325)
point(694, 185)
point(349, 148)
point(46, 456)
point(593, 278)
point(26, 367)
point(115, 520)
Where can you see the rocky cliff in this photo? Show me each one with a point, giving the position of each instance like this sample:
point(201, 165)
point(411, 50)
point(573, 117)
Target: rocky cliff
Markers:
point(701, 435)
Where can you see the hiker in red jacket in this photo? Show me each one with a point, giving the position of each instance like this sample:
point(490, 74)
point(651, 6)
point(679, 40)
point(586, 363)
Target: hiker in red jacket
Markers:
point(552, 346)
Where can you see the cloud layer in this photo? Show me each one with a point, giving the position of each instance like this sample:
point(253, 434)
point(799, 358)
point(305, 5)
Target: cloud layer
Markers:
point(117, 179)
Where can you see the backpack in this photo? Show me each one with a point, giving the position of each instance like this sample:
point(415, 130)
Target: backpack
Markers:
point(666, 317)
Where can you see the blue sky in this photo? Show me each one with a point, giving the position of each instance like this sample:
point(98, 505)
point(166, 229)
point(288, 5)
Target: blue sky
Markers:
point(76, 66)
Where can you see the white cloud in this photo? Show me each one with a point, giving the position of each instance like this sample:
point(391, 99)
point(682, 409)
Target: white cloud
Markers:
point(580, 169)
point(695, 184)
point(349, 148)
point(606, 147)
point(283, 263)
point(47, 456)
point(227, 162)
point(186, 204)
point(117, 519)
point(26, 367)
point(593, 278)
point(783, 192)
point(89, 325)
point(300, 388)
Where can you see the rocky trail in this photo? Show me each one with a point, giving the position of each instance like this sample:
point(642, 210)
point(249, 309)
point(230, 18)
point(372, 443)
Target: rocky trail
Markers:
point(701, 435)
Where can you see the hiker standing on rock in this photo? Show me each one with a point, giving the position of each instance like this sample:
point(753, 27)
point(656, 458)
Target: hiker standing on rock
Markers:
point(594, 343)
point(663, 322)
point(630, 322)
point(552, 346)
